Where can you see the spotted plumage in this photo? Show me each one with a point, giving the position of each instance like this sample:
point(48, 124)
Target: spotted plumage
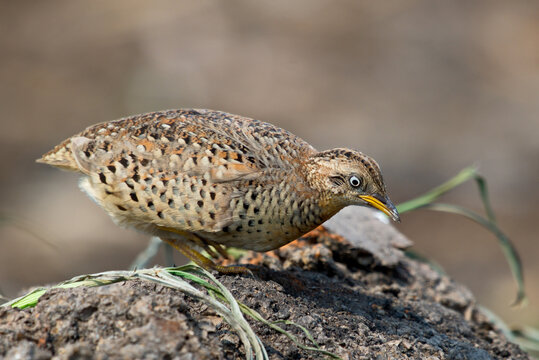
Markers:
point(201, 178)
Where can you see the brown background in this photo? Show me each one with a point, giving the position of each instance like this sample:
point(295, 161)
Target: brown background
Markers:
point(426, 87)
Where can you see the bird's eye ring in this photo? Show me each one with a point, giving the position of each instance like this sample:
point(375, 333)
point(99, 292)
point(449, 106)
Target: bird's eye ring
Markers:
point(354, 181)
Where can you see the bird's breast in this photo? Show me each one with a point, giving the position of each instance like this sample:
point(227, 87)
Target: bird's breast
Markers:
point(268, 216)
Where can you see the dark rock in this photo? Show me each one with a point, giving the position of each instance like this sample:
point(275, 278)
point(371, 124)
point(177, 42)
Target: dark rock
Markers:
point(354, 307)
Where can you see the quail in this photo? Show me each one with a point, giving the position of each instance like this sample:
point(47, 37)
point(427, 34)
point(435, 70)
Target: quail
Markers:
point(206, 180)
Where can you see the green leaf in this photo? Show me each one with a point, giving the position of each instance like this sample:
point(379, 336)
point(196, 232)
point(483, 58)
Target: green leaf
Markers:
point(28, 300)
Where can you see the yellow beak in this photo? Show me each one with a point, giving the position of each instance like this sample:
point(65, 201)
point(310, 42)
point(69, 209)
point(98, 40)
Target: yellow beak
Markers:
point(385, 206)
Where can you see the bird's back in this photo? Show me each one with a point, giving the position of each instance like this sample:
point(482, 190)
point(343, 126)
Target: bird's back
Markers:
point(264, 144)
point(228, 177)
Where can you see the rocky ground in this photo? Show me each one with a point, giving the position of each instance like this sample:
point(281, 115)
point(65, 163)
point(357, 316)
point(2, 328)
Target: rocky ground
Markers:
point(360, 298)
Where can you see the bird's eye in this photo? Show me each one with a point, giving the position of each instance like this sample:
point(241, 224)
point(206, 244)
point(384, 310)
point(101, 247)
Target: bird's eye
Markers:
point(354, 181)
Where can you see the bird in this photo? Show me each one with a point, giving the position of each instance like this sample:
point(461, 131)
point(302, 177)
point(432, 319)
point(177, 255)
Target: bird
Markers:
point(205, 180)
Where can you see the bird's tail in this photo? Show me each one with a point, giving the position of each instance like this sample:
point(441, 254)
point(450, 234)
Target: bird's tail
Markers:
point(61, 156)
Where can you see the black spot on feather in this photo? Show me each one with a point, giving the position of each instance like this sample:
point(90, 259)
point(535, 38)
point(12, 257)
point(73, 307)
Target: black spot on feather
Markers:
point(124, 162)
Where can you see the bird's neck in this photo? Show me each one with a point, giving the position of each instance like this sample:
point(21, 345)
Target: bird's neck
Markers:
point(315, 173)
point(328, 208)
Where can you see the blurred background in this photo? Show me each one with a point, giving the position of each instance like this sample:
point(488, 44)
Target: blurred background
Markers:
point(425, 87)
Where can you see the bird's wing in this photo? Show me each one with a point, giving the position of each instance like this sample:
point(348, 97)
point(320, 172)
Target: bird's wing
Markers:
point(221, 149)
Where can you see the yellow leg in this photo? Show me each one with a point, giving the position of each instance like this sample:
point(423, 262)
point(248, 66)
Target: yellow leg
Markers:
point(198, 258)
point(220, 248)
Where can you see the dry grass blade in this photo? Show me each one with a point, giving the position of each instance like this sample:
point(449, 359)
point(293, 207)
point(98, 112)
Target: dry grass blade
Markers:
point(247, 336)
point(231, 315)
point(248, 311)
point(218, 297)
point(234, 306)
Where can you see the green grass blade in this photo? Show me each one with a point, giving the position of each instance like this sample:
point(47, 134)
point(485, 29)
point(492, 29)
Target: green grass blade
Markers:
point(430, 196)
point(31, 299)
point(28, 300)
point(483, 192)
point(528, 339)
point(509, 250)
point(426, 201)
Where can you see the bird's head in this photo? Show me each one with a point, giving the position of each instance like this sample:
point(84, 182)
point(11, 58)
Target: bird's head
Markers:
point(347, 177)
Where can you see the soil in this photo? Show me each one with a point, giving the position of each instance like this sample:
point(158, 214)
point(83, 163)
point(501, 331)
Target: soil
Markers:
point(355, 302)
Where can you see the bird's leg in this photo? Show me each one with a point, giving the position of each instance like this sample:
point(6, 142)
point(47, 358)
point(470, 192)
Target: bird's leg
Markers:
point(169, 256)
point(205, 245)
point(203, 261)
point(144, 258)
point(220, 248)
point(199, 259)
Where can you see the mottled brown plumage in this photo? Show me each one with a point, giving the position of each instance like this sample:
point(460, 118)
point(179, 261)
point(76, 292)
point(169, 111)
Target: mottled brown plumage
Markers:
point(201, 178)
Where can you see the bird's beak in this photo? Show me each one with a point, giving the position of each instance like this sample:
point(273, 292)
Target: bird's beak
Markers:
point(384, 205)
